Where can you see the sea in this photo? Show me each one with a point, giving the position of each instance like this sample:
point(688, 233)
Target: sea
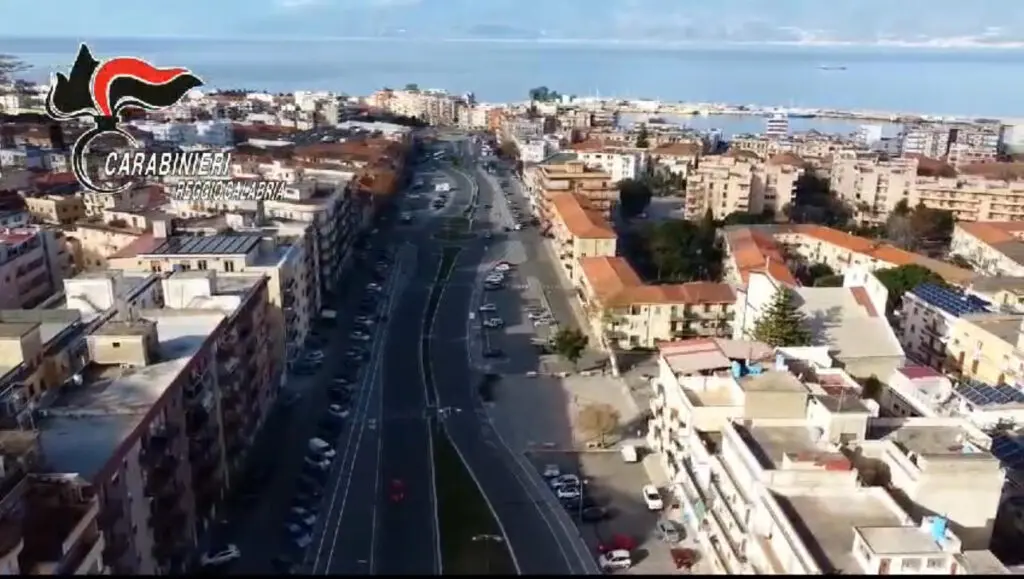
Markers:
point(961, 82)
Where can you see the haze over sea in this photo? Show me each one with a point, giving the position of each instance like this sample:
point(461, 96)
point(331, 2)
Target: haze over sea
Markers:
point(981, 82)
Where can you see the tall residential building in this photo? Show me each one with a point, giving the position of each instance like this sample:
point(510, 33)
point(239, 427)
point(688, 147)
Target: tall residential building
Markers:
point(544, 181)
point(578, 232)
point(740, 182)
point(435, 107)
point(973, 197)
point(930, 141)
point(776, 126)
point(286, 262)
point(873, 185)
point(33, 262)
point(993, 248)
point(620, 163)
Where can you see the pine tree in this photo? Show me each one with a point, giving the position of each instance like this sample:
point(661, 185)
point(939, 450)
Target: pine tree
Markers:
point(782, 324)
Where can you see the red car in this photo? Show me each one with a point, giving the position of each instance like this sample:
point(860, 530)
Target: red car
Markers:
point(618, 542)
point(397, 490)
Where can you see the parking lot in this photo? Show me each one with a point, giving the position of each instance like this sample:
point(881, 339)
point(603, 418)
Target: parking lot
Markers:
point(613, 512)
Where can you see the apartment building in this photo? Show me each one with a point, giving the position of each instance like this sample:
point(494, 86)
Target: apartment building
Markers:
point(153, 421)
point(620, 163)
point(993, 248)
point(578, 232)
point(782, 475)
point(812, 147)
point(930, 141)
point(48, 522)
point(56, 209)
point(193, 134)
point(435, 107)
point(285, 262)
point(628, 313)
point(596, 188)
point(774, 247)
point(33, 261)
point(974, 197)
point(740, 182)
point(873, 185)
point(927, 314)
point(849, 321)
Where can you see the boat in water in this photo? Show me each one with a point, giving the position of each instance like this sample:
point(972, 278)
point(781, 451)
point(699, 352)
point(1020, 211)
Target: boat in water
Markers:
point(830, 67)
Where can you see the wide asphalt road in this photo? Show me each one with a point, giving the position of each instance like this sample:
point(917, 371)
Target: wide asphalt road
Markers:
point(541, 541)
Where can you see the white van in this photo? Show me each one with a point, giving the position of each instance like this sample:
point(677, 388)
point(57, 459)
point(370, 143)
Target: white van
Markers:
point(320, 448)
point(629, 453)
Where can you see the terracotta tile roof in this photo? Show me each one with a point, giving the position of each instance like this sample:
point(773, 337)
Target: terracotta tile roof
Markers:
point(1003, 171)
point(677, 149)
point(754, 250)
point(589, 145)
point(580, 220)
point(52, 179)
point(616, 284)
point(993, 232)
point(787, 159)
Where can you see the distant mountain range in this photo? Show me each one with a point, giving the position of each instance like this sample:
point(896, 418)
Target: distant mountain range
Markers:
point(839, 22)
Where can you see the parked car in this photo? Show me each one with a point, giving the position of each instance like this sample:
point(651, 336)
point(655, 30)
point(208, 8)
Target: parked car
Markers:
point(488, 308)
point(615, 560)
point(565, 479)
point(551, 471)
point(493, 323)
point(652, 498)
point(338, 411)
point(668, 532)
point(359, 336)
point(225, 555)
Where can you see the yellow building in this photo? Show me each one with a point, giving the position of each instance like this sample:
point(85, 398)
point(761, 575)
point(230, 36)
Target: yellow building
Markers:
point(595, 187)
point(740, 182)
point(631, 314)
point(872, 185)
point(56, 209)
point(578, 233)
point(986, 347)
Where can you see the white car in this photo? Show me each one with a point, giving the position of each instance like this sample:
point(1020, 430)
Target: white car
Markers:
point(488, 308)
point(359, 336)
point(502, 267)
point(374, 287)
point(337, 411)
point(364, 320)
point(228, 554)
point(615, 560)
point(321, 464)
point(301, 512)
point(567, 492)
point(494, 323)
point(538, 316)
point(495, 278)
point(652, 498)
point(543, 323)
point(565, 480)
point(303, 541)
point(306, 521)
point(517, 227)
point(551, 471)
point(321, 448)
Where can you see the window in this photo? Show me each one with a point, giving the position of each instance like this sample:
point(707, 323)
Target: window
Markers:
point(936, 563)
point(229, 266)
point(910, 563)
point(115, 344)
point(201, 264)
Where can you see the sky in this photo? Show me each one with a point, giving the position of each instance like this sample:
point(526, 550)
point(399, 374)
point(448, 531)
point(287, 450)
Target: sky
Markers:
point(935, 22)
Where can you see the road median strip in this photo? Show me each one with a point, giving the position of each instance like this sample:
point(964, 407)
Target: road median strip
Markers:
point(471, 539)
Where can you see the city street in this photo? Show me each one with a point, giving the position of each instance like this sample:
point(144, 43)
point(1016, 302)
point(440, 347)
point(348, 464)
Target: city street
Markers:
point(542, 538)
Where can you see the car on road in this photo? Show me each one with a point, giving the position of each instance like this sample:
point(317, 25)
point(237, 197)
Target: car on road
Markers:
point(225, 555)
point(373, 287)
point(356, 354)
point(301, 512)
point(616, 560)
point(360, 336)
point(317, 463)
point(551, 471)
point(668, 532)
point(396, 489)
point(364, 320)
point(314, 355)
point(652, 498)
point(502, 266)
point(488, 308)
point(304, 520)
point(495, 277)
point(342, 381)
point(337, 411)
point(493, 323)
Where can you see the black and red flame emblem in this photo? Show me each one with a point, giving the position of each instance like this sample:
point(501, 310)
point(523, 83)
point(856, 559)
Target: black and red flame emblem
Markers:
point(102, 90)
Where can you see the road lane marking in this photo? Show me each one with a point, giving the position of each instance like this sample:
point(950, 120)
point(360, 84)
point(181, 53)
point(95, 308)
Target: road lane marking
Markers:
point(367, 394)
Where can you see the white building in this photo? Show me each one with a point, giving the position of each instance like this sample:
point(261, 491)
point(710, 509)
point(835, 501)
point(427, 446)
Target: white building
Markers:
point(779, 476)
point(776, 126)
point(869, 135)
point(927, 314)
point(534, 150)
point(200, 133)
point(619, 164)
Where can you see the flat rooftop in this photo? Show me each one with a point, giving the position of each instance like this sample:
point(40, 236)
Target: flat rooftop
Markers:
point(825, 522)
point(87, 424)
point(929, 440)
point(845, 320)
point(708, 354)
point(1005, 327)
point(770, 444)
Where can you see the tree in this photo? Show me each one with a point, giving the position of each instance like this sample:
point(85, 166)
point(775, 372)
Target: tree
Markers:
point(744, 218)
point(920, 228)
point(814, 202)
point(598, 420)
point(677, 251)
point(9, 67)
point(642, 138)
point(871, 387)
point(412, 87)
point(570, 343)
point(634, 197)
point(900, 280)
point(544, 94)
point(782, 324)
point(508, 150)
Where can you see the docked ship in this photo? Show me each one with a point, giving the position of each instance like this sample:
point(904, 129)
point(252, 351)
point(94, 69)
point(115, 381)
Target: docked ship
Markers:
point(831, 67)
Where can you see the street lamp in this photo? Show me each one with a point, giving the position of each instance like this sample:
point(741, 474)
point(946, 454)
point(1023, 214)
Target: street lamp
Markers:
point(489, 539)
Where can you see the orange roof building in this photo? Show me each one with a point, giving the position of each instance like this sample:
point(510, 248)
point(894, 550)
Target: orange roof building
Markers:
point(994, 248)
point(635, 314)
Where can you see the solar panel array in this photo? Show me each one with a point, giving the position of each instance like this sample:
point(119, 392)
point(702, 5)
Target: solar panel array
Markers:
point(1009, 450)
point(955, 302)
point(207, 245)
point(987, 395)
